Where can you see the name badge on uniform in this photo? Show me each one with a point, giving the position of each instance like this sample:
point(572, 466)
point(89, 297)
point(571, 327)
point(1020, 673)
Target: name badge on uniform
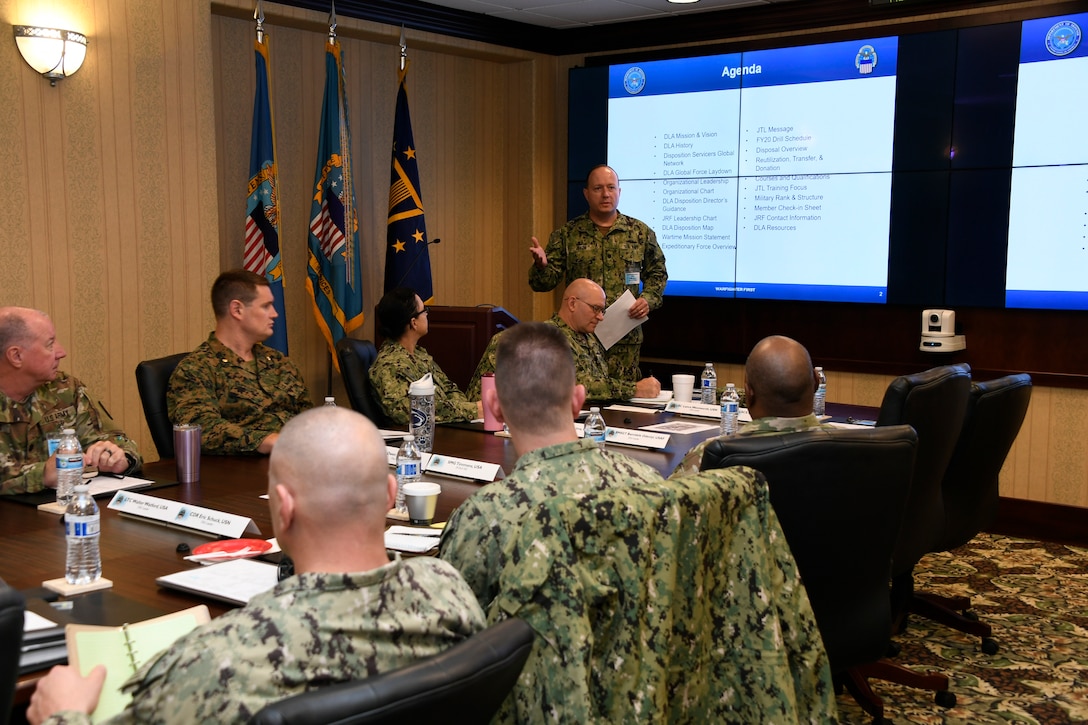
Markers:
point(633, 274)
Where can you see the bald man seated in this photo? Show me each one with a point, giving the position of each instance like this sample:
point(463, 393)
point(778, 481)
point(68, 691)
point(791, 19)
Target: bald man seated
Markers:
point(779, 382)
point(582, 308)
point(38, 401)
point(348, 612)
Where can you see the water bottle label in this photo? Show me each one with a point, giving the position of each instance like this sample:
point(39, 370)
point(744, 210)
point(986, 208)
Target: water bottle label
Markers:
point(81, 526)
point(707, 382)
point(731, 408)
point(65, 463)
point(407, 469)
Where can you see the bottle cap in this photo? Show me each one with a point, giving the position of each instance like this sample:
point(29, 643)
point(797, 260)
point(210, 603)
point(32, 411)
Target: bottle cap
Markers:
point(68, 432)
point(85, 486)
point(594, 409)
point(423, 386)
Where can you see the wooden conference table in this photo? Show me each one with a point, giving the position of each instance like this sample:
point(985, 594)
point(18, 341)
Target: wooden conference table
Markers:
point(135, 552)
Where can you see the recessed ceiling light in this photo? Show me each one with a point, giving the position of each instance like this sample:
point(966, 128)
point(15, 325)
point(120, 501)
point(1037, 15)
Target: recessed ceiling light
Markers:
point(682, 2)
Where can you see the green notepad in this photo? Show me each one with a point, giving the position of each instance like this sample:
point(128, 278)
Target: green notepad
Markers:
point(124, 650)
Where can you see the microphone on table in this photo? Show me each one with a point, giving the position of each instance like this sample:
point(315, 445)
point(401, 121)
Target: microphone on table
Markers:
point(419, 254)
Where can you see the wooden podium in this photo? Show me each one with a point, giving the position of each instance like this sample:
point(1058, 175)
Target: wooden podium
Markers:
point(457, 337)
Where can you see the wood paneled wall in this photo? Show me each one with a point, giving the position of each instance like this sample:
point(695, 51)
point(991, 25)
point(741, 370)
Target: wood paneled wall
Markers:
point(108, 216)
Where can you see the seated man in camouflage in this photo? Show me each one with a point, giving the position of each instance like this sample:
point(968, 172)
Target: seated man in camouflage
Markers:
point(237, 390)
point(37, 402)
point(583, 307)
point(537, 397)
point(347, 613)
point(403, 321)
point(779, 382)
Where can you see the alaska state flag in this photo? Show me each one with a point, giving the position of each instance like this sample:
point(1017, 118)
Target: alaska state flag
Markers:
point(334, 272)
point(262, 247)
point(407, 262)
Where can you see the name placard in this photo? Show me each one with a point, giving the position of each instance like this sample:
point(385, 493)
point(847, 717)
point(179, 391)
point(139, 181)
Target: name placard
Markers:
point(462, 468)
point(183, 515)
point(637, 438)
point(695, 410)
point(580, 429)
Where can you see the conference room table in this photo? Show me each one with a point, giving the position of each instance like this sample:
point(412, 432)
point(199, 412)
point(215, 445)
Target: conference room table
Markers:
point(135, 551)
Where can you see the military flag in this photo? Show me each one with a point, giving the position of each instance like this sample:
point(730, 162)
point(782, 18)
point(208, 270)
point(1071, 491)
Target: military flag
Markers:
point(334, 271)
point(407, 260)
point(261, 253)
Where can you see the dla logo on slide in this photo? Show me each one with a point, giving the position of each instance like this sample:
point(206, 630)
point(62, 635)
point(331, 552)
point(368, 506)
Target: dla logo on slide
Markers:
point(634, 80)
point(865, 60)
point(1063, 38)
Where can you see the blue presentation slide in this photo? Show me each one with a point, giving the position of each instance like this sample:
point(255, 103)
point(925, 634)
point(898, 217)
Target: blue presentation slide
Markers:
point(1048, 210)
point(765, 174)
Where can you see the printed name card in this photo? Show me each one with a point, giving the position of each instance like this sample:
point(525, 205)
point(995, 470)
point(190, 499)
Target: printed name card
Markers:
point(697, 410)
point(462, 468)
point(580, 429)
point(638, 438)
point(178, 513)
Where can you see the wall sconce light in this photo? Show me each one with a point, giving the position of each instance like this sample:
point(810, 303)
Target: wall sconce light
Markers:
point(54, 53)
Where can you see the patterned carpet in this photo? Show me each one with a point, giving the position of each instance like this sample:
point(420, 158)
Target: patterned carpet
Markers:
point(1035, 595)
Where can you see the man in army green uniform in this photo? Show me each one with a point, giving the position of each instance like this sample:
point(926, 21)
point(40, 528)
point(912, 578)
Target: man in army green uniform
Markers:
point(403, 321)
point(537, 397)
point(614, 250)
point(348, 612)
point(237, 390)
point(779, 382)
point(37, 402)
point(577, 318)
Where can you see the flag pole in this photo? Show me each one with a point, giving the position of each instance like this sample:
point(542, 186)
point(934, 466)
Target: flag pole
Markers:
point(258, 15)
point(403, 50)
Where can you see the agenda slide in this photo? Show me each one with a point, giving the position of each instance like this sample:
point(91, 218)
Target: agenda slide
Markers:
point(1047, 264)
point(764, 174)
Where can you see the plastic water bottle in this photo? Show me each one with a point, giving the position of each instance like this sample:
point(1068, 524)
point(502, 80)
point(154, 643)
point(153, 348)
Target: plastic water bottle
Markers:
point(710, 385)
point(595, 426)
point(409, 463)
point(330, 401)
point(730, 410)
point(69, 465)
point(819, 400)
point(81, 527)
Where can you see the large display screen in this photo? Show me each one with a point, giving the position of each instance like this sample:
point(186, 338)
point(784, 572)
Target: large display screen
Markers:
point(945, 168)
point(765, 174)
point(1048, 209)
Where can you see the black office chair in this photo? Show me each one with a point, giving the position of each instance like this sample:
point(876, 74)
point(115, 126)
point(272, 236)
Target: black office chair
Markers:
point(11, 637)
point(356, 357)
point(934, 403)
point(152, 380)
point(970, 491)
point(840, 496)
point(466, 684)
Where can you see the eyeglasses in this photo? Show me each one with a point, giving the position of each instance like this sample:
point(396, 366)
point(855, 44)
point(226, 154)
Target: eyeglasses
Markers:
point(424, 311)
point(597, 309)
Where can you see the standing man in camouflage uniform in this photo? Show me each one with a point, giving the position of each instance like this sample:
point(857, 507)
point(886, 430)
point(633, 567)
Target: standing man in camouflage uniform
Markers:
point(403, 321)
point(577, 318)
point(779, 382)
point(614, 250)
point(536, 396)
point(348, 612)
point(37, 402)
point(237, 390)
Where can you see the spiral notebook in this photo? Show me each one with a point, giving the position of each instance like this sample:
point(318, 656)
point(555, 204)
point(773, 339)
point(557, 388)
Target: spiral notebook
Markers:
point(124, 650)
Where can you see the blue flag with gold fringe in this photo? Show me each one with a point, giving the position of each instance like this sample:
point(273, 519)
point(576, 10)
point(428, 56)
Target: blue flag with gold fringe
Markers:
point(407, 261)
point(261, 253)
point(334, 271)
